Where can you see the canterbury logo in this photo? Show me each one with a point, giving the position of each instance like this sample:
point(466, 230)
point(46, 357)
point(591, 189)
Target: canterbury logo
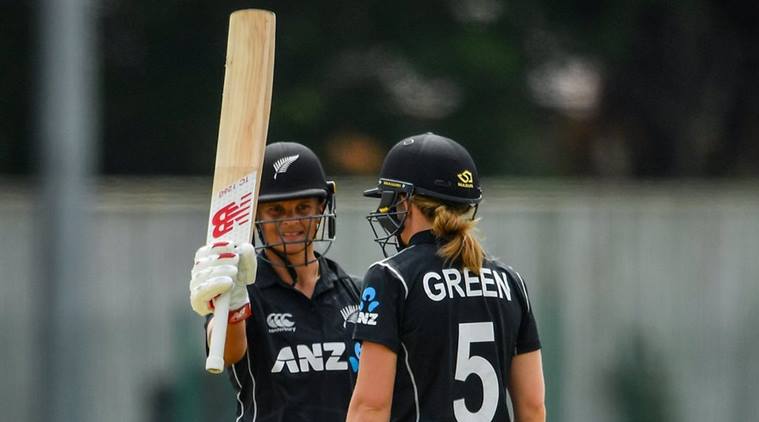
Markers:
point(281, 165)
point(280, 322)
point(465, 176)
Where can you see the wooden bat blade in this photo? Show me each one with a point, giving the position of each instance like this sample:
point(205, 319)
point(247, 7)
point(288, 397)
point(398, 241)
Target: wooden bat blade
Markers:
point(247, 95)
point(243, 126)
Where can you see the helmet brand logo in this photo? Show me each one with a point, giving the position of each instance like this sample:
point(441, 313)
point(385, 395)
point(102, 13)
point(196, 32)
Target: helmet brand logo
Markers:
point(465, 179)
point(392, 184)
point(281, 165)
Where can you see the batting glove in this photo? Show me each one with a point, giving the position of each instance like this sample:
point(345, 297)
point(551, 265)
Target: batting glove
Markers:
point(219, 268)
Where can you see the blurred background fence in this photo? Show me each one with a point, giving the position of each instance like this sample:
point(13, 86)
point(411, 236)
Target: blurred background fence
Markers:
point(646, 296)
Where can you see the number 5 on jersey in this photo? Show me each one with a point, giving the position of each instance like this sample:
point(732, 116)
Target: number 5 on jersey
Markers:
point(468, 364)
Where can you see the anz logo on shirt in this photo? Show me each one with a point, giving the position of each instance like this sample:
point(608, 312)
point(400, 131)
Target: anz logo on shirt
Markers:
point(366, 314)
point(311, 357)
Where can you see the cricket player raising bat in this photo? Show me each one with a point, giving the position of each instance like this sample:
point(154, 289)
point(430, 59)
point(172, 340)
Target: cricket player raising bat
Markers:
point(292, 310)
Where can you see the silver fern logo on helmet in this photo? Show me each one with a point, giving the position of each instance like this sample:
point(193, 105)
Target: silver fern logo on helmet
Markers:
point(281, 165)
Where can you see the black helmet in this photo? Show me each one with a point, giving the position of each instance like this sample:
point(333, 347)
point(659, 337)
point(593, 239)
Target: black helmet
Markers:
point(291, 171)
point(426, 164)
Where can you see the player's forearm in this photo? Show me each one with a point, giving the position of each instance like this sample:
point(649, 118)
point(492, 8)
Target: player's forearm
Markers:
point(364, 412)
point(527, 387)
point(236, 343)
point(536, 413)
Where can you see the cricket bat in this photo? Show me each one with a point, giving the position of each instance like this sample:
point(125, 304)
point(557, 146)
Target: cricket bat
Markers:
point(245, 105)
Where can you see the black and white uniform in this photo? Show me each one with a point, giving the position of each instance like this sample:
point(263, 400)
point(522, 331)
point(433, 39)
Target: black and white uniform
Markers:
point(455, 332)
point(296, 367)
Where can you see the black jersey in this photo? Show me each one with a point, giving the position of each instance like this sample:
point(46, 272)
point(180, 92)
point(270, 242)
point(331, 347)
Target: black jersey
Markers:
point(455, 332)
point(296, 367)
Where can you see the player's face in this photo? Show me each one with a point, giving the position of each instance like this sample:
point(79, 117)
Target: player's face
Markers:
point(290, 225)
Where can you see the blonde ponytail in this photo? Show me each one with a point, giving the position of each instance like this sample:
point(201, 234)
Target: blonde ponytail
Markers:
point(454, 225)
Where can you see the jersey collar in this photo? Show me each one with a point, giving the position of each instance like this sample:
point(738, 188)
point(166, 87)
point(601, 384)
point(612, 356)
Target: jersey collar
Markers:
point(268, 277)
point(424, 236)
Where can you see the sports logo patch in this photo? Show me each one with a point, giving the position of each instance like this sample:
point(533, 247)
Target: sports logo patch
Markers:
point(466, 179)
point(350, 314)
point(280, 323)
point(354, 360)
point(310, 357)
point(281, 165)
point(366, 314)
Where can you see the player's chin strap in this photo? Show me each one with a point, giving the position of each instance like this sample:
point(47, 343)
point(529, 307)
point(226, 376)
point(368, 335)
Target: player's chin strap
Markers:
point(289, 266)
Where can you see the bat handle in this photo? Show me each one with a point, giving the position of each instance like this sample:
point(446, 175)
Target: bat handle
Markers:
point(215, 360)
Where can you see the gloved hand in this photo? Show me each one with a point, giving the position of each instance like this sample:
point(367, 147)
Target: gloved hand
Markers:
point(221, 267)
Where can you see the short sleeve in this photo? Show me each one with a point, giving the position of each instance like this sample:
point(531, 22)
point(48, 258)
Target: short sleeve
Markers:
point(528, 339)
point(380, 308)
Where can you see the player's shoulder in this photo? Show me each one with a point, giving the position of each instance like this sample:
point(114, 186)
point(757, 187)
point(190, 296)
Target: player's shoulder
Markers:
point(396, 263)
point(398, 268)
point(496, 264)
point(514, 277)
point(408, 258)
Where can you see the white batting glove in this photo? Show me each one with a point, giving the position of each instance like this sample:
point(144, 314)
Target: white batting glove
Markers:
point(221, 267)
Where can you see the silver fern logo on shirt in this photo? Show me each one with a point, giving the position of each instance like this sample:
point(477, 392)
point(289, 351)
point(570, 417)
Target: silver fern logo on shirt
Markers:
point(350, 314)
point(281, 165)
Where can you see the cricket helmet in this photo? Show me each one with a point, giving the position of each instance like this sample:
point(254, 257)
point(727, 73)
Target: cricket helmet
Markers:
point(427, 164)
point(292, 171)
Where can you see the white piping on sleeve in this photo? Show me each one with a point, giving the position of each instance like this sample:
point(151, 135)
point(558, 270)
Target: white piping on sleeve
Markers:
point(413, 382)
point(397, 275)
point(524, 288)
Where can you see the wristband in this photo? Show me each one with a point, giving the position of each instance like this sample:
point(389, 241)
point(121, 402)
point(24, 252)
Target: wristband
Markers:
point(240, 314)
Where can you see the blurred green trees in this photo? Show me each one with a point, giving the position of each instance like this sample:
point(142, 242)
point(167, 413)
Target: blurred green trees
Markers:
point(538, 88)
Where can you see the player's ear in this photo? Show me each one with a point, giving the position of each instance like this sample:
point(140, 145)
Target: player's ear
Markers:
point(413, 211)
point(403, 202)
point(408, 207)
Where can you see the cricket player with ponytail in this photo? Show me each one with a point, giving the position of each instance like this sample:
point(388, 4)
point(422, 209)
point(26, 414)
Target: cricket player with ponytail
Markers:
point(443, 330)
